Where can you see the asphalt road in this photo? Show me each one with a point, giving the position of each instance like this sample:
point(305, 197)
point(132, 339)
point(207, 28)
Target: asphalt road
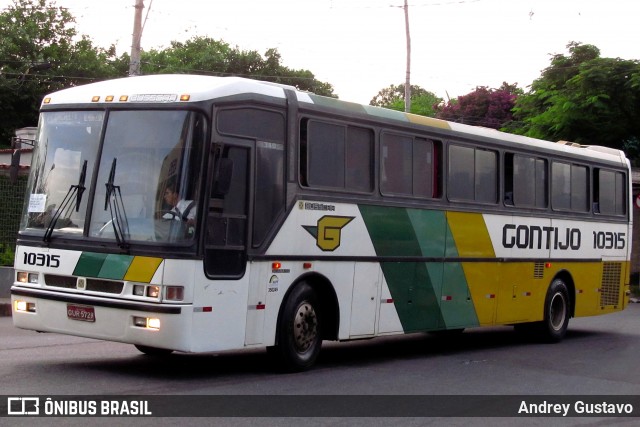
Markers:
point(599, 356)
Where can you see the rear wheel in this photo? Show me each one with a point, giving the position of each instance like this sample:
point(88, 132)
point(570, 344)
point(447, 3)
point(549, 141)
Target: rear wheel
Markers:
point(299, 331)
point(557, 311)
point(554, 325)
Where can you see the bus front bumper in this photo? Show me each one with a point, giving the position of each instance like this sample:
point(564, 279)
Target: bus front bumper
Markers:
point(133, 322)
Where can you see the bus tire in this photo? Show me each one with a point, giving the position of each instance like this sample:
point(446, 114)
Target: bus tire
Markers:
point(153, 351)
point(299, 331)
point(554, 325)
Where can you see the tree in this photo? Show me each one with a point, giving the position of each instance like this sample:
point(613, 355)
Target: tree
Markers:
point(585, 99)
point(423, 102)
point(204, 55)
point(485, 107)
point(39, 54)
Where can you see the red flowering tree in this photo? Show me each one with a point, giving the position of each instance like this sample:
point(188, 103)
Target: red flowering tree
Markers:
point(485, 107)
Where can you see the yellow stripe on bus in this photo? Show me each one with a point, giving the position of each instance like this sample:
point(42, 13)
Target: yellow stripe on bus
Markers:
point(470, 235)
point(142, 269)
point(472, 240)
point(428, 121)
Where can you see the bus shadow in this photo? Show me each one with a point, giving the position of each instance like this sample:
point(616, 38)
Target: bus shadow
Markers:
point(426, 345)
point(183, 366)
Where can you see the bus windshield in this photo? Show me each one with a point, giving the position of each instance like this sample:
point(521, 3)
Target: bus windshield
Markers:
point(144, 166)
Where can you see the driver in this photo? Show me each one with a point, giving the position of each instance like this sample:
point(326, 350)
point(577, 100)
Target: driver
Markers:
point(180, 209)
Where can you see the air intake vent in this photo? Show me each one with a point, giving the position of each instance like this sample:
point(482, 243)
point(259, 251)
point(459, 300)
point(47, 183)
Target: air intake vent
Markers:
point(610, 289)
point(94, 285)
point(538, 270)
point(60, 281)
point(108, 286)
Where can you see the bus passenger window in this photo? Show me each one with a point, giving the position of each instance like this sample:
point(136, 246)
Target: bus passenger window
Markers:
point(525, 181)
point(410, 166)
point(336, 156)
point(609, 193)
point(570, 187)
point(473, 174)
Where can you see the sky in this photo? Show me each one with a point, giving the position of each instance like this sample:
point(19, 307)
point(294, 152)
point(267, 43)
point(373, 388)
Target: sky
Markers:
point(359, 46)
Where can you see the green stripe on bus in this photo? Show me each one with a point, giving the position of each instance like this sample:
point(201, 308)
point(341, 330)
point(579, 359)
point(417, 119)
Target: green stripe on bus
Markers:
point(115, 267)
point(393, 234)
point(89, 264)
point(334, 103)
point(105, 266)
point(426, 295)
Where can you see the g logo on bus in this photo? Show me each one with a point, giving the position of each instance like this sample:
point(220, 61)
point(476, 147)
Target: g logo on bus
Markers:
point(328, 231)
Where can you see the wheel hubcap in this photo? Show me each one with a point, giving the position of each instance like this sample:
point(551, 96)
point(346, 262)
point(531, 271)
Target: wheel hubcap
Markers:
point(557, 311)
point(305, 328)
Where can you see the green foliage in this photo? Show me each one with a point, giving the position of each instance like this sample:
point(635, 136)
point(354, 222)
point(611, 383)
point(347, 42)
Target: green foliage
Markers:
point(6, 256)
point(204, 55)
point(41, 52)
point(423, 102)
point(585, 99)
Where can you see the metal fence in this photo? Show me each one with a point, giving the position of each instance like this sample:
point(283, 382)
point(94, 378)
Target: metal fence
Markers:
point(11, 205)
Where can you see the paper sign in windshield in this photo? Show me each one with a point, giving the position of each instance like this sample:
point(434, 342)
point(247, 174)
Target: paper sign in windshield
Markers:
point(37, 202)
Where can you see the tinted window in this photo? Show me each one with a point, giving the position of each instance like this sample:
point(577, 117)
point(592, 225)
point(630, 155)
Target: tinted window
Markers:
point(486, 176)
point(397, 164)
point(326, 155)
point(569, 187)
point(473, 174)
point(409, 166)
point(525, 181)
point(252, 123)
point(610, 192)
point(269, 193)
point(333, 155)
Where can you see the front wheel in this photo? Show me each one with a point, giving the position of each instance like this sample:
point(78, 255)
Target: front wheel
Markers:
point(299, 332)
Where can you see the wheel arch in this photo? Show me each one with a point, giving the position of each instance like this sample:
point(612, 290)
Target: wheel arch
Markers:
point(327, 298)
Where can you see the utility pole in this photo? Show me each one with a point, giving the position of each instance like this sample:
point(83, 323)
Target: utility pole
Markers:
point(134, 65)
point(407, 84)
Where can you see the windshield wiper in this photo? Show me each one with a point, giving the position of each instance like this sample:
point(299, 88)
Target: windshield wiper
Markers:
point(80, 186)
point(74, 192)
point(113, 201)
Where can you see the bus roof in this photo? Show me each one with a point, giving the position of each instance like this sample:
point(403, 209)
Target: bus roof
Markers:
point(183, 88)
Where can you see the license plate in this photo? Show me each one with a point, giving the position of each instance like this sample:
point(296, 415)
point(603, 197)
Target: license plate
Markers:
point(81, 312)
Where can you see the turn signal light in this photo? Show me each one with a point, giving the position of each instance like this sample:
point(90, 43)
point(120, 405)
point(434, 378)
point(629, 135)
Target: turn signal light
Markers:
point(174, 293)
point(153, 291)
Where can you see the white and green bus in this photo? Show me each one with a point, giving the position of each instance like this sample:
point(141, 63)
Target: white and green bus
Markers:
point(203, 214)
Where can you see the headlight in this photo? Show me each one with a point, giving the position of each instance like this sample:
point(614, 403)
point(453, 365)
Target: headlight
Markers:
point(147, 322)
point(24, 277)
point(24, 306)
